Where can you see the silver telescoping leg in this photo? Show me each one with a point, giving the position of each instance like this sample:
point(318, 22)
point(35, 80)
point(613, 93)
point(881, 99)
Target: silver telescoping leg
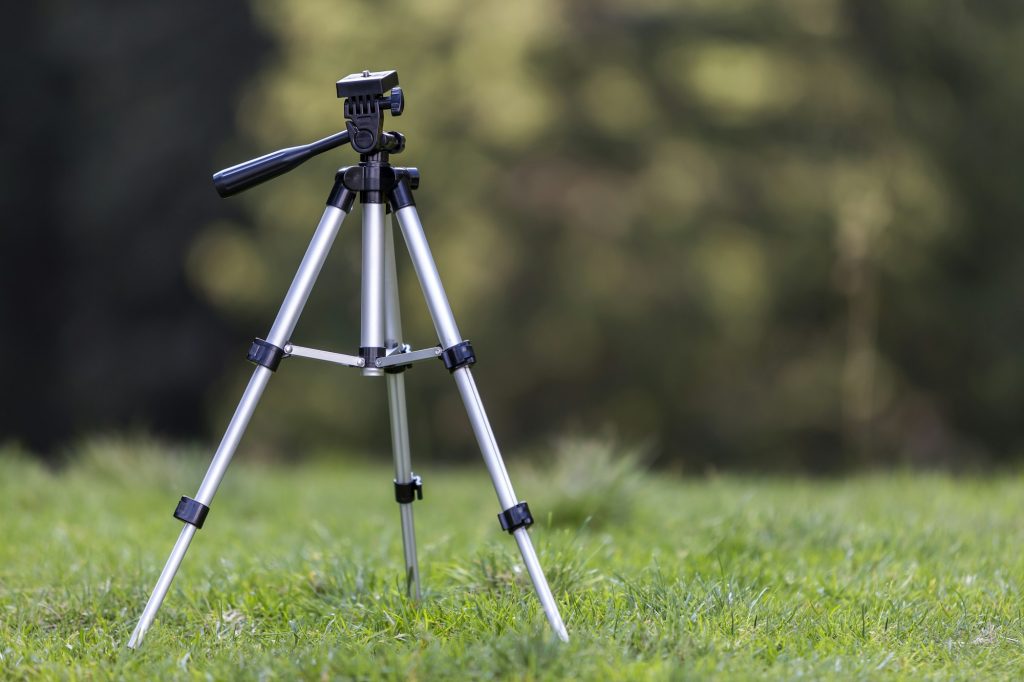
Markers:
point(448, 334)
point(371, 330)
point(280, 333)
point(381, 329)
point(399, 419)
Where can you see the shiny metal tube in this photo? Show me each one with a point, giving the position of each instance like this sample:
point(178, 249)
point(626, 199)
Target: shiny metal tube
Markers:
point(371, 333)
point(403, 474)
point(430, 280)
point(305, 277)
point(392, 311)
point(397, 411)
point(280, 334)
point(485, 437)
point(233, 435)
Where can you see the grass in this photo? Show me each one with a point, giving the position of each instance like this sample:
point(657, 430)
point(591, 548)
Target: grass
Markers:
point(297, 574)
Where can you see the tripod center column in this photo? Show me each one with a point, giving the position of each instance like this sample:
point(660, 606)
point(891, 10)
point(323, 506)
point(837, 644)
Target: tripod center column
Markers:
point(371, 338)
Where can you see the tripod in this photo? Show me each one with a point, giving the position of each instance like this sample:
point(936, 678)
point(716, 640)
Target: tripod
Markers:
point(382, 351)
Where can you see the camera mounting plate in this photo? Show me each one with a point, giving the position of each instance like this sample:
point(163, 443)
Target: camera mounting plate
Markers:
point(367, 84)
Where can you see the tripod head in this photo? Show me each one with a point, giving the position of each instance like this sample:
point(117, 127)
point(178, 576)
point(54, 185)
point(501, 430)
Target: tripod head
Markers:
point(368, 95)
point(365, 107)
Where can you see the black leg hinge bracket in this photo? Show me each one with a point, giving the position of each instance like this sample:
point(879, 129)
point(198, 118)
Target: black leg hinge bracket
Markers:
point(407, 492)
point(514, 518)
point(370, 355)
point(266, 354)
point(459, 355)
point(190, 511)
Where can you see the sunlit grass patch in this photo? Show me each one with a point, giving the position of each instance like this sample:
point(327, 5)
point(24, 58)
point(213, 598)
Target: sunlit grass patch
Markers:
point(298, 573)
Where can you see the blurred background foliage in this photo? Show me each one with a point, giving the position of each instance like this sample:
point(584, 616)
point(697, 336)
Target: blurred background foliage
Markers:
point(747, 234)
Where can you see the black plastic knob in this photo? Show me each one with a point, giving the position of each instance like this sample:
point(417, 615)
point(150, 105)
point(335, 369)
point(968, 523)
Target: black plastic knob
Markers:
point(396, 101)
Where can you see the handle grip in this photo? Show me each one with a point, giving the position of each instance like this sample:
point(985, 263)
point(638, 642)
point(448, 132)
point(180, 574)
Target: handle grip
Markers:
point(250, 173)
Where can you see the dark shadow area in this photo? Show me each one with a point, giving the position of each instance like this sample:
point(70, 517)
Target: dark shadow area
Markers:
point(113, 115)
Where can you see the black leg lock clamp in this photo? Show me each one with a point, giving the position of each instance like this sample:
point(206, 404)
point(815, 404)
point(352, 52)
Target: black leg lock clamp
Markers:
point(265, 353)
point(514, 518)
point(190, 511)
point(407, 492)
point(459, 355)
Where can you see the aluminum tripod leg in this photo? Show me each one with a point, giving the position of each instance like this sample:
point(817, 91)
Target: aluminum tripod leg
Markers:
point(397, 411)
point(448, 334)
point(280, 332)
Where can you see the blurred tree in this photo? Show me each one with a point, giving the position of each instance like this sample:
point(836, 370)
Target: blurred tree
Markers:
point(758, 233)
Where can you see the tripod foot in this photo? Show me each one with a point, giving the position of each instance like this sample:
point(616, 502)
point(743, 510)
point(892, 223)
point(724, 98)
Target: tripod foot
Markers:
point(516, 516)
point(162, 585)
point(540, 583)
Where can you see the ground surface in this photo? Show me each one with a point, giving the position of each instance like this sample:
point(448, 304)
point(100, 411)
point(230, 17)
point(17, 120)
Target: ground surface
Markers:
point(297, 574)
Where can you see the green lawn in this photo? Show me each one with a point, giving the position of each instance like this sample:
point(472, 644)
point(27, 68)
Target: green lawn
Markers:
point(297, 573)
